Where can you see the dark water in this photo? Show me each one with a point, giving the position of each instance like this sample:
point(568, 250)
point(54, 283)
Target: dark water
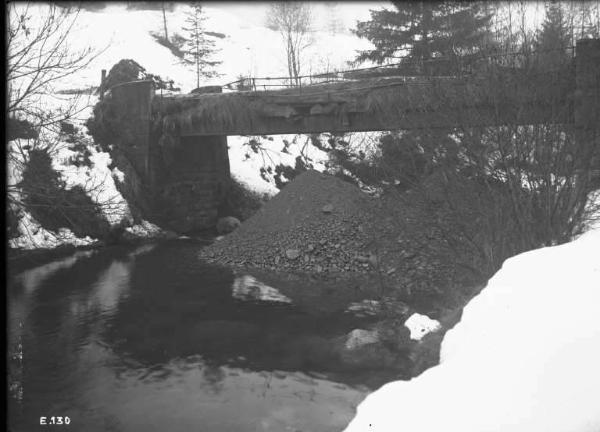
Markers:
point(152, 339)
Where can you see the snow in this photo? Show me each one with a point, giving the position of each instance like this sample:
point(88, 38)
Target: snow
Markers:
point(118, 174)
point(421, 325)
point(524, 357)
point(249, 48)
point(144, 229)
point(97, 180)
point(245, 164)
point(247, 287)
point(33, 236)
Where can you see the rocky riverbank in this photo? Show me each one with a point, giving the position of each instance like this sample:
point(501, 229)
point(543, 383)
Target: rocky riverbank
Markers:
point(328, 228)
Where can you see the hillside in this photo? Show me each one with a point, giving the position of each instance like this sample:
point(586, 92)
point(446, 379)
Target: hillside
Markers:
point(248, 48)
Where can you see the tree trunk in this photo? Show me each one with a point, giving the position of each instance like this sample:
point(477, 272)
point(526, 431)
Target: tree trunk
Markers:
point(290, 61)
point(197, 72)
point(165, 22)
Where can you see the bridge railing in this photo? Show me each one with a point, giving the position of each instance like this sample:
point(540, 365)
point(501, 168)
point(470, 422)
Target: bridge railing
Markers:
point(447, 66)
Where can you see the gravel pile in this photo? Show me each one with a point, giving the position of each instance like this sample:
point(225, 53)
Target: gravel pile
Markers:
point(321, 225)
point(315, 224)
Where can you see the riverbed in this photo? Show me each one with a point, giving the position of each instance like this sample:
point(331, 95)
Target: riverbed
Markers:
point(150, 338)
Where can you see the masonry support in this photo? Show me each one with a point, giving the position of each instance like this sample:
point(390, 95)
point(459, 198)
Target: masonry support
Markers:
point(178, 182)
point(133, 106)
point(192, 178)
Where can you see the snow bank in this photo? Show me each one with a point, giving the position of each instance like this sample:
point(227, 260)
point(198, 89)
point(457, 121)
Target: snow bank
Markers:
point(245, 164)
point(524, 357)
point(33, 236)
point(97, 180)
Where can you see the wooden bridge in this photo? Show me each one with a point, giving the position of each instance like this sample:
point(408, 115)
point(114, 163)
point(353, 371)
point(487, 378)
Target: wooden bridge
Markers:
point(177, 143)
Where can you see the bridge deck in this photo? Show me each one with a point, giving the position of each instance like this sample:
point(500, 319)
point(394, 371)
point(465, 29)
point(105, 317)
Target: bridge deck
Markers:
point(374, 104)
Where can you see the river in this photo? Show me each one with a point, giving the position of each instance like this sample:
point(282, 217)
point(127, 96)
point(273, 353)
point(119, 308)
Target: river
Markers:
point(149, 338)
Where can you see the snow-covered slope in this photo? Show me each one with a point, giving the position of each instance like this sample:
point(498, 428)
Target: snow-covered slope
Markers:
point(524, 357)
point(249, 48)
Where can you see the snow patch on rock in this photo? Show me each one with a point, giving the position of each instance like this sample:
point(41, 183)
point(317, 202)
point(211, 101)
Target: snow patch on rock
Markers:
point(249, 288)
point(421, 325)
point(144, 229)
point(360, 337)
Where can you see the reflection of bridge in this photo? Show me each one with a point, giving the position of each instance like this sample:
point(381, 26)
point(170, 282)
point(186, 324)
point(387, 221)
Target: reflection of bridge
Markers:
point(178, 148)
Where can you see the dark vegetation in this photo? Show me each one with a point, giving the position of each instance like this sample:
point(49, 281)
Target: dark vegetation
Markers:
point(53, 205)
point(20, 128)
point(127, 70)
point(494, 190)
point(424, 31)
point(174, 43)
point(12, 222)
point(149, 5)
point(104, 125)
point(488, 192)
point(240, 202)
point(89, 6)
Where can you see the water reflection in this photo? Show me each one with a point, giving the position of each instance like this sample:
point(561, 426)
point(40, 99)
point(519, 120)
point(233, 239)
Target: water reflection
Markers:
point(149, 339)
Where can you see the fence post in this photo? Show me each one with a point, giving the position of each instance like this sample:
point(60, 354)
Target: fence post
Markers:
point(587, 95)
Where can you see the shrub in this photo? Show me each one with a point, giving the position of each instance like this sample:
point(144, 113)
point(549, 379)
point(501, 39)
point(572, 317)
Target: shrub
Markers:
point(54, 206)
point(175, 43)
point(12, 219)
point(240, 201)
point(20, 128)
point(105, 126)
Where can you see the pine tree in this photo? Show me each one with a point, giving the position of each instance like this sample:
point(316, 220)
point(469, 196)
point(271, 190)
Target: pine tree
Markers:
point(424, 30)
point(553, 39)
point(199, 47)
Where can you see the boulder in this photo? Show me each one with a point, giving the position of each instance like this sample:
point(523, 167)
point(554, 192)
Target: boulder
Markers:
point(360, 337)
point(292, 254)
point(227, 224)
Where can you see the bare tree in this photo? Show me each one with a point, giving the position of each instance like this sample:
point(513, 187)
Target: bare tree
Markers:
point(38, 56)
point(293, 21)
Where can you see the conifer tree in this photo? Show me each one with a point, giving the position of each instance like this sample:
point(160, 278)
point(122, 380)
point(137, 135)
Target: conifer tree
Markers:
point(553, 39)
point(424, 30)
point(199, 47)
